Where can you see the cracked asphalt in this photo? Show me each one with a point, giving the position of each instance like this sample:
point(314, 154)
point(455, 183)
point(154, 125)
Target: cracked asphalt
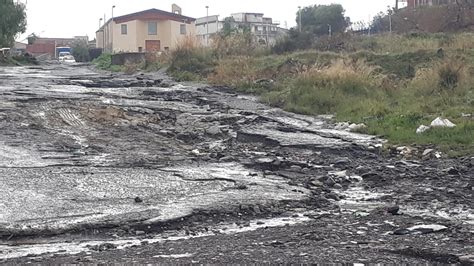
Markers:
point(104, 168)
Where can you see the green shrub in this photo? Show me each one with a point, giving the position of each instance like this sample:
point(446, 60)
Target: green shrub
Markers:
point(104, 61)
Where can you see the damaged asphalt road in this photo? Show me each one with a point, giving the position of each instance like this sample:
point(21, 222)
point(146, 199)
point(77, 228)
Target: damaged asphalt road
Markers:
point(112, 168)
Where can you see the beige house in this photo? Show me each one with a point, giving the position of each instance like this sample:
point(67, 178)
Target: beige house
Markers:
point(151, 30)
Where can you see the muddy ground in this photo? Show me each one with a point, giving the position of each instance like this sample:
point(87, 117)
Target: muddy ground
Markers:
point(98, 168)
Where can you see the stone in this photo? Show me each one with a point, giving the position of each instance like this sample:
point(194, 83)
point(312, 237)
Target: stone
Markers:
point(333, 196)
point(316, 183)
point(427, 152)
point(103, 247)
point(138, 200)
point(139, 233)
point(214, 130)
point(420, 229)
point(256, 209)
point(227, 159)
point(342, 126)
point(355, 179)
point(452, 171)
point(393, 210)
point(330, 182)
point(296, 168)
point(368, 176)
point(426, 229)
point(467, 259)
point(341, 162)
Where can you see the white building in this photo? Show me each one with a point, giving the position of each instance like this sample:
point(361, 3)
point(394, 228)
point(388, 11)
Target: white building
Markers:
point(264, 30)
point(206, 27)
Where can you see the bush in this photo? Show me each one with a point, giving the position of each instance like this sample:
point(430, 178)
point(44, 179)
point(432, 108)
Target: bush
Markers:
point(327, 90)
point(238, 44)
point(191, 58)
point(104, 61)
point(294, 41)
point(80, 51)
point(449, 75)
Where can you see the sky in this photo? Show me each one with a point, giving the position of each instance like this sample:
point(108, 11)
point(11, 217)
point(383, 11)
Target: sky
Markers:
point(67, 18)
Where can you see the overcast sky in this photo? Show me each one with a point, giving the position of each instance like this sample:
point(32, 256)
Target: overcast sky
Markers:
point(67, 18)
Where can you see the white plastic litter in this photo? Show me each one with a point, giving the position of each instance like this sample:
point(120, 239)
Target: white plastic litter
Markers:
point(422, 129)
point(357, 127)
point(440, 122)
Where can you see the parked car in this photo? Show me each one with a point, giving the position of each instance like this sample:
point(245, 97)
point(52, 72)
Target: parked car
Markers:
point(66, 57)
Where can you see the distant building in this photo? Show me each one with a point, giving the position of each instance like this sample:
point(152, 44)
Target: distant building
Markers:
point(46, 47)
point(264, 29)
point(418, 3)
point(20, 48)
point(207, 27)
point(151, 30)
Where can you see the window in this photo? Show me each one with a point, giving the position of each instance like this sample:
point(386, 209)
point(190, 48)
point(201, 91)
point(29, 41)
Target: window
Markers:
point(124, 29)
point(152, 28)
point(182, 29)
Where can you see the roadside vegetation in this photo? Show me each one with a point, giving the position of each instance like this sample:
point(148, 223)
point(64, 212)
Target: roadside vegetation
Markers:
point(104, 62)
point(391, 83)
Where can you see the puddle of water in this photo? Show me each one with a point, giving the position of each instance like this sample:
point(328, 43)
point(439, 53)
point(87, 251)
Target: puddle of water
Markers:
point(463, 215)
point(357, 198)
point(14, 251)
point(64, 199)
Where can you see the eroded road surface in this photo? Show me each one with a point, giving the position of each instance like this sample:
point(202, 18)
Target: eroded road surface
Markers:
point(101, 167)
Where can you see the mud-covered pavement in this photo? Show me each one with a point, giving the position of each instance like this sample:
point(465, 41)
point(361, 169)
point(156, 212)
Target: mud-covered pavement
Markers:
point(97, 167)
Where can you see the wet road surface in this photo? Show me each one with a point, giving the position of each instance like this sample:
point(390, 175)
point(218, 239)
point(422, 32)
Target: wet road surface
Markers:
point(94, 164)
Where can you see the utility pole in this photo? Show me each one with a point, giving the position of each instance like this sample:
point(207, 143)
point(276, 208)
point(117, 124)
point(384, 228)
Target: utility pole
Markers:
point(97, 41)
point(104, 35)
point(268, 37)
point(390, 19)
point(207, 25)
point(299, 12)
point(112, 32)
point(370, 24)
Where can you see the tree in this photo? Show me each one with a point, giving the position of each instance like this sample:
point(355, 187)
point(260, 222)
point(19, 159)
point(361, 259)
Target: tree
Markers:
point(228, 27)
point(316, 19)
point(80, 51)
point(12, 21)
point(380, 23)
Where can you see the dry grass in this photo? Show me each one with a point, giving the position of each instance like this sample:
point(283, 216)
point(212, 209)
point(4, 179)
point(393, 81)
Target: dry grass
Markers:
point(240, 72)
point(411, 43)
point(190, 60)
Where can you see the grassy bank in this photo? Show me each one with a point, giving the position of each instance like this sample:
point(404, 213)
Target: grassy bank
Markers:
point(18, 61)
point(393, 84)
point(104, 62)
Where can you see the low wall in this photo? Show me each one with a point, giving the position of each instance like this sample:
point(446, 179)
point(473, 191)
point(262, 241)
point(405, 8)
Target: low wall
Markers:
point(128, 58)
